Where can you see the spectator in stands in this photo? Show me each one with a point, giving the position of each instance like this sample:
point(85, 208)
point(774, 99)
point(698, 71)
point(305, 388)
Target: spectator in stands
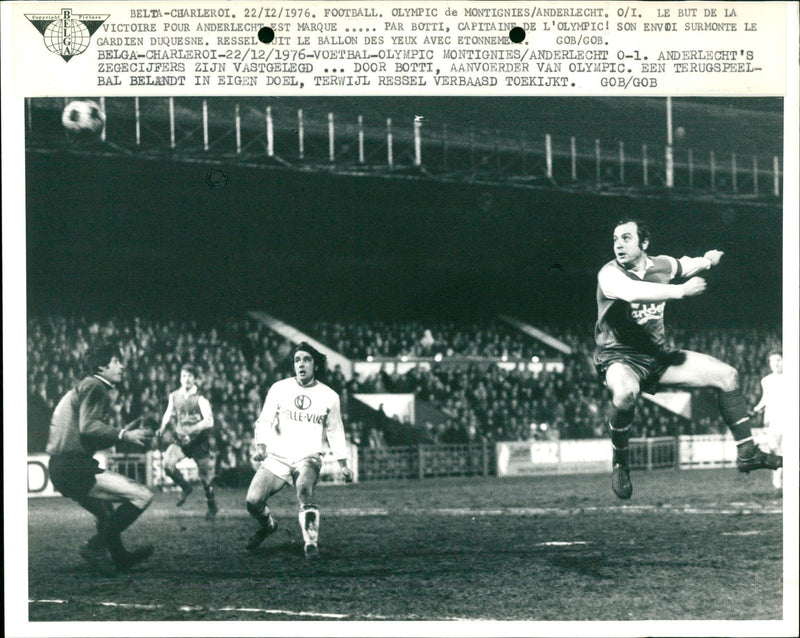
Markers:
point(569, 401)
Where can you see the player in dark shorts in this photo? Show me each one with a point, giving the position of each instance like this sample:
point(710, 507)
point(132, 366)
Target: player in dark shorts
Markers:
point(191, 417)
point(632, 355)
point(80, 426)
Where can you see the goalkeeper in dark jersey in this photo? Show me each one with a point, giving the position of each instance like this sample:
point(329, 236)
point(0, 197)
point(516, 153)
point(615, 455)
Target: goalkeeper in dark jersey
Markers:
point(190, 437)
point(81, 425)
point(632, 355)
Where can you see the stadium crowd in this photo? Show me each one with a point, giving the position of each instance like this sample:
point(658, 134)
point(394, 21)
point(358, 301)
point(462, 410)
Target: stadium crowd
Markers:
point(474, 398)
point(490, 338)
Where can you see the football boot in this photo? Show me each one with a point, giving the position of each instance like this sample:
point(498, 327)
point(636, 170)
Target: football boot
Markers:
point(128, 560)
point(211, 514)
point(311, 551)
point(261, 535)
point(186, 491)
point(759, 460)
point(621, 481)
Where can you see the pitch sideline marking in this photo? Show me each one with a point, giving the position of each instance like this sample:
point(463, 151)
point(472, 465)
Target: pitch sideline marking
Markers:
point(729, 509)
point(737, 508)
point(254, 610)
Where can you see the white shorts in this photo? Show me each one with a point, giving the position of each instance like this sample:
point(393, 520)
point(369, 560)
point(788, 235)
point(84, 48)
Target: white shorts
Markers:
point(287, 471)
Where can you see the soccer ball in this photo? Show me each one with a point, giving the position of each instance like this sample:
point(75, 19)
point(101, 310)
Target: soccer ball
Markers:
point(83, 116)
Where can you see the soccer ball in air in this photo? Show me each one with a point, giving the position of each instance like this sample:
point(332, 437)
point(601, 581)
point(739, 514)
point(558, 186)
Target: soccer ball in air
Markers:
point(83, 116)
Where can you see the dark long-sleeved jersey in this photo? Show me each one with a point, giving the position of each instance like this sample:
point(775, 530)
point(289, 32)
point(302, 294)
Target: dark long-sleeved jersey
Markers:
point(638, 325)
point(82, 419)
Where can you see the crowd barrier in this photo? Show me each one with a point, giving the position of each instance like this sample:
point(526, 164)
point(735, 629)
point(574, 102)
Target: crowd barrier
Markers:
point(508, 458)
point(424, 461)
point(147, 468)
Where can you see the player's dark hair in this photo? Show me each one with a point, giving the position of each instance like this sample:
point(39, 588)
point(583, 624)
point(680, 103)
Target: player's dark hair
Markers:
point(642, 228)
point(99, 355)
point(190, 368)
point(320, 360)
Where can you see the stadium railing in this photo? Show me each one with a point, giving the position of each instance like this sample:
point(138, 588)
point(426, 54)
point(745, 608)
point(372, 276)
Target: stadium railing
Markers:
point(654, 453)
point(425, 461)
point(134, 466)
point(480, 459)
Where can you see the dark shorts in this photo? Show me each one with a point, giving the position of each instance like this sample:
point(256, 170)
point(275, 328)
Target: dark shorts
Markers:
point(72, 473)
point(199, 447)
point(649, 367)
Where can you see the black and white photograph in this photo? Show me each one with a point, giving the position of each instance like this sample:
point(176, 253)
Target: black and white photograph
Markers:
point(467, 364)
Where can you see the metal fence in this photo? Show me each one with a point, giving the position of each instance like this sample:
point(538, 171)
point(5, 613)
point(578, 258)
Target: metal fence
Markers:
point(134, 466)
point(425, 461)
point(653, 454)
point(479, 459)
point(194, 128)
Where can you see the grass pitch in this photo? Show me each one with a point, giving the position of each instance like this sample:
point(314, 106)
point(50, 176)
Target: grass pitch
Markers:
point(689, 545)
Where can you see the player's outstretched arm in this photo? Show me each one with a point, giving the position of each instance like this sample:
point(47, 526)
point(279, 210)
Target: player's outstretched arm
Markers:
point(140, 437)
point(615, 285)
point(693, 265)
point(693, 287)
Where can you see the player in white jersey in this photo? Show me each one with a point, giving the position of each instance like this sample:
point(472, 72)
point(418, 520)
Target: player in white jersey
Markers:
point(774, 394)
point(298, 412)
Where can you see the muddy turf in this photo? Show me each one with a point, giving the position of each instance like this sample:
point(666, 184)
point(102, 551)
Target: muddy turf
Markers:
point(704, 544)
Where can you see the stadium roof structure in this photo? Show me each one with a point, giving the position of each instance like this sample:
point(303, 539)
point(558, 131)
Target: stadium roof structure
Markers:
point(718, 149)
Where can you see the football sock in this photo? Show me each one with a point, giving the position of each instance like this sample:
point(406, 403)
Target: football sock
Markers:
point(209, 490)
point(259, 512)
point(618, 418)
point(734, 411)
point(620, 423)
point(124, 515)
point(177, 477)
point(733, 408)
point(621, 456)
point(102, 512)
point(112, 528)
point(309, 523)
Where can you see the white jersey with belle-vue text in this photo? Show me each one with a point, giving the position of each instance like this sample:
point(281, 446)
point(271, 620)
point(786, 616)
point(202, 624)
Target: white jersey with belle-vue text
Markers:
point(295, 419)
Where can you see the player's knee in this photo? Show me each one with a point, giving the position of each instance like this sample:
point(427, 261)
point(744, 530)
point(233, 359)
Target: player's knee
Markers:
point(305, 493)
point(142, 498)
point(624, 390)
point(728, 378)
point(624, 397)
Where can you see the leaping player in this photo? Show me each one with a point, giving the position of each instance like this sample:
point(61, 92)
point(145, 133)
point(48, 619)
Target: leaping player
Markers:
point(190, 437)
point(297, 412)
point(632, 355)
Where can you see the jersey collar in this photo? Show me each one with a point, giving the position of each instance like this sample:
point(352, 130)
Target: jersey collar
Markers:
point(100, 377)
point(648, 264)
